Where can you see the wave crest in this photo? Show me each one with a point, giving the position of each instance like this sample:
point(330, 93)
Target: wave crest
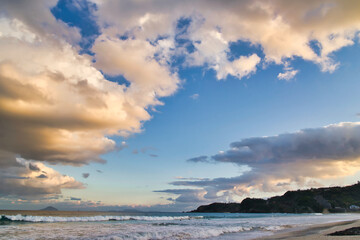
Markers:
point(26, 218)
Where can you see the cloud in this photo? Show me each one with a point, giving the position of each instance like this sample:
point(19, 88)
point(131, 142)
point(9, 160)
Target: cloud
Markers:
point(86, 175)
point(153, 155)
point(33, 167)
point(287, 75)
point(144, 150)
point(99, 171)
point(43, 110)
point(42, 176)
point(20, 181)
point(186, 195)
point(34, 15)
point(75, 199)
point(285, 161)
point(122, 146)
point(281, 29)
point(241, 67)
point(212, 50)
point(191, 178)
point(199, 159)
point(56, 106)
point(195, 96)
point(13, 177)
point(135, 151)
point(331, 143)
point(134, 59)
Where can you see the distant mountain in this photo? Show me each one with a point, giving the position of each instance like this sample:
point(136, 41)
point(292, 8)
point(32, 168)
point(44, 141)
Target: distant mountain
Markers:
point(49, 208)
point(331, 199)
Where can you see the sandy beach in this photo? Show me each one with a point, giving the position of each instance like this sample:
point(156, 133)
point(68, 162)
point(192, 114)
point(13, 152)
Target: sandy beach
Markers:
point(318, 232)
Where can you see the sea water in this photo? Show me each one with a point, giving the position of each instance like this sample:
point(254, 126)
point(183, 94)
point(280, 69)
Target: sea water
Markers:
point(82, 225)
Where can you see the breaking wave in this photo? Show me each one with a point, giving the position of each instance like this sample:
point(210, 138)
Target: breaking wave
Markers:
point(26, 218)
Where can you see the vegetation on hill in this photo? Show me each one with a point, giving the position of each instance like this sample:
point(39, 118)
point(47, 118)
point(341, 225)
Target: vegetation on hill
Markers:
point(332, 199)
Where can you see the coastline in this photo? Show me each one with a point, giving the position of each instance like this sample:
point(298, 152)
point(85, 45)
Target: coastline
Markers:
point(317, 232)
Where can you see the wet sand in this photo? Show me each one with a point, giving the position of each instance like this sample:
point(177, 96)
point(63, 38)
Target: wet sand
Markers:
point(318, 232)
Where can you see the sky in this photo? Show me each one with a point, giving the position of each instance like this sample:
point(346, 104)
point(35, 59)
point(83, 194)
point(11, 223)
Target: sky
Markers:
point(167, 105)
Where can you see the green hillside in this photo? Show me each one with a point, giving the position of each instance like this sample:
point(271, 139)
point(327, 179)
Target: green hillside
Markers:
point(332, 199)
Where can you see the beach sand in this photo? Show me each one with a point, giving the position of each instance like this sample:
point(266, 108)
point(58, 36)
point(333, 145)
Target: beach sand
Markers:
point(318, 232)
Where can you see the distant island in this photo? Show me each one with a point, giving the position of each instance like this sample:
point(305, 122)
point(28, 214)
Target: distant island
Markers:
point(49, 208)
point(320, 200)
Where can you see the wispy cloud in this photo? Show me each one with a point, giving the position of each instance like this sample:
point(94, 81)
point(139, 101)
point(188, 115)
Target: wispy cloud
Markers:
point(135, 151)
point(194, 96)
point(199, 159)
point(287, 75)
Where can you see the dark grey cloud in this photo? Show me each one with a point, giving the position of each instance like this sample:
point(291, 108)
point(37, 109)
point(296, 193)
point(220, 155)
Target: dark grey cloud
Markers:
point(86, 175)
point(186, 195)
point(283, 184)
point(13, 177)
point(199, 159)
point(75, 199)
point(42, 176)
point(285, 161)
point(99, 171)
point(334, 142)
point(33, 167)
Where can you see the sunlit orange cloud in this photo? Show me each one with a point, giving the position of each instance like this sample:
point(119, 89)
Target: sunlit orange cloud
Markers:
point(55, 106)
point(283, 29)
point(58, 108)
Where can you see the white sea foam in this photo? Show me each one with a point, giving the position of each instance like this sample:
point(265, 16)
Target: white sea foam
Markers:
point(26, 218)
point(170, 227)
point(121, 231)
point(273, 228)
point(176, 232)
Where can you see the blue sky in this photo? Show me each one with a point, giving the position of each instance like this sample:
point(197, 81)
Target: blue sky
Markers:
point(145, 88)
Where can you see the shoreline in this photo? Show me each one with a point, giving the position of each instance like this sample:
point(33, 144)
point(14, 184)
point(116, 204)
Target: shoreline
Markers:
point(316, 232)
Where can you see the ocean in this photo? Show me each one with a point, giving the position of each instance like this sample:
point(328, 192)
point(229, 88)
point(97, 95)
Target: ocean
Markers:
point(115, 225)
